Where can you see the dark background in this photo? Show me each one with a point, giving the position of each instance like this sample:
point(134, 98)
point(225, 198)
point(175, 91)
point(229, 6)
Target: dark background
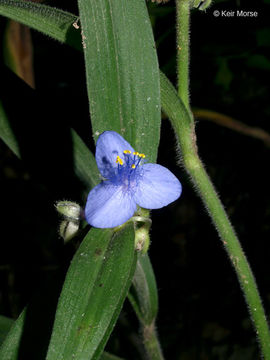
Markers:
point(202, 310)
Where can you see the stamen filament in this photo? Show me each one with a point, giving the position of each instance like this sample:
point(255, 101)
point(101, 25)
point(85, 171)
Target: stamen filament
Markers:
point(138, 161)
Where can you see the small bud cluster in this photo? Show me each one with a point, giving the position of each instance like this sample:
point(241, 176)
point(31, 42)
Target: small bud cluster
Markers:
point(142, 225)
point(142, 239)
point(71, 213)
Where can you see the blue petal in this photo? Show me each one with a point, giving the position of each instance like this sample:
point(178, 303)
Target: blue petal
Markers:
point(157, 187)
point(109, 206)
point(109, 145)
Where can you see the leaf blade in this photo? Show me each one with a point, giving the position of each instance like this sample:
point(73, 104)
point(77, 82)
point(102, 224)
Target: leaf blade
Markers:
point(6, 132)
point(53, 22)
point(5, 325)
point(9, 349)
point(85, 166)
point(122, 71)
point(93, 294)
point(148, 119)
point(143, 292)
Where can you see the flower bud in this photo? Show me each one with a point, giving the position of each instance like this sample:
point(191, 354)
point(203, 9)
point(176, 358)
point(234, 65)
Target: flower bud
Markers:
point(142, 239)
point(68, 229)
point(69, 210)
point(71, 214)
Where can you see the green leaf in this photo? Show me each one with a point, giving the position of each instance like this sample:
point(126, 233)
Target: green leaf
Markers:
point(53, 22)
point(121, 63)
point(15, 338)
point(93, 294)
point(61, 35)
point(6, 133)
point(172, 105)
point(122, 71)
point(84, 174)
point(143, 293)
point(10, 347)
point(168, 92)
point(5, 325)
point(85, 166)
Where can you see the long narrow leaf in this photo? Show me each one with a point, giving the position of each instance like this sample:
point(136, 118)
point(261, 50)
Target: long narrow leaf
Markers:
point(143, 293)
point(5, 325)
point(11, 345)
point(53, 22)
point(95, 288)
point(6, 133)
point(122, 71)
point(64, 21)
point(15, 335)
point(121, 62)
point(85, 166)
point(62, 37)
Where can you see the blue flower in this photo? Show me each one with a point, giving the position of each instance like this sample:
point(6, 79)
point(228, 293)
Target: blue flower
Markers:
point(128, 182)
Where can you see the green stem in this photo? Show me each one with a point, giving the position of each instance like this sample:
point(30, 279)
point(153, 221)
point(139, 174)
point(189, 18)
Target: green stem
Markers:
point(183, 123)
point(184, 130)
point(151, 342)
point(182, 38)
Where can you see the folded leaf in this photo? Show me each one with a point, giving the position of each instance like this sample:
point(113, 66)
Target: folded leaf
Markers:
point(143, 293)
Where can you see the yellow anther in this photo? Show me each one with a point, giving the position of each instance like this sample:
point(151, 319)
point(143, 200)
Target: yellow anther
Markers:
point(133, 166)
point(127, 152)
point(142, 156)
point(119, 160)
point(136, 153)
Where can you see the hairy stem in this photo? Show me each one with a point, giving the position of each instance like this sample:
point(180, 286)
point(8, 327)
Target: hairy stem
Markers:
point(151, 342)
point(182, 38)
point(182, 120)
point(184, 130)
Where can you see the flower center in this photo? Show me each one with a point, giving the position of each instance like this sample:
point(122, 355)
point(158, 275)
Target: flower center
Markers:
point(128, 172)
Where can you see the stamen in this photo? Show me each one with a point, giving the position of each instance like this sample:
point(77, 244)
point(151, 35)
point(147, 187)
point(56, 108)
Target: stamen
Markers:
point(136, 153)
point(133, 166)
point(119, 160)
point(127, 152)
point(141, 156)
